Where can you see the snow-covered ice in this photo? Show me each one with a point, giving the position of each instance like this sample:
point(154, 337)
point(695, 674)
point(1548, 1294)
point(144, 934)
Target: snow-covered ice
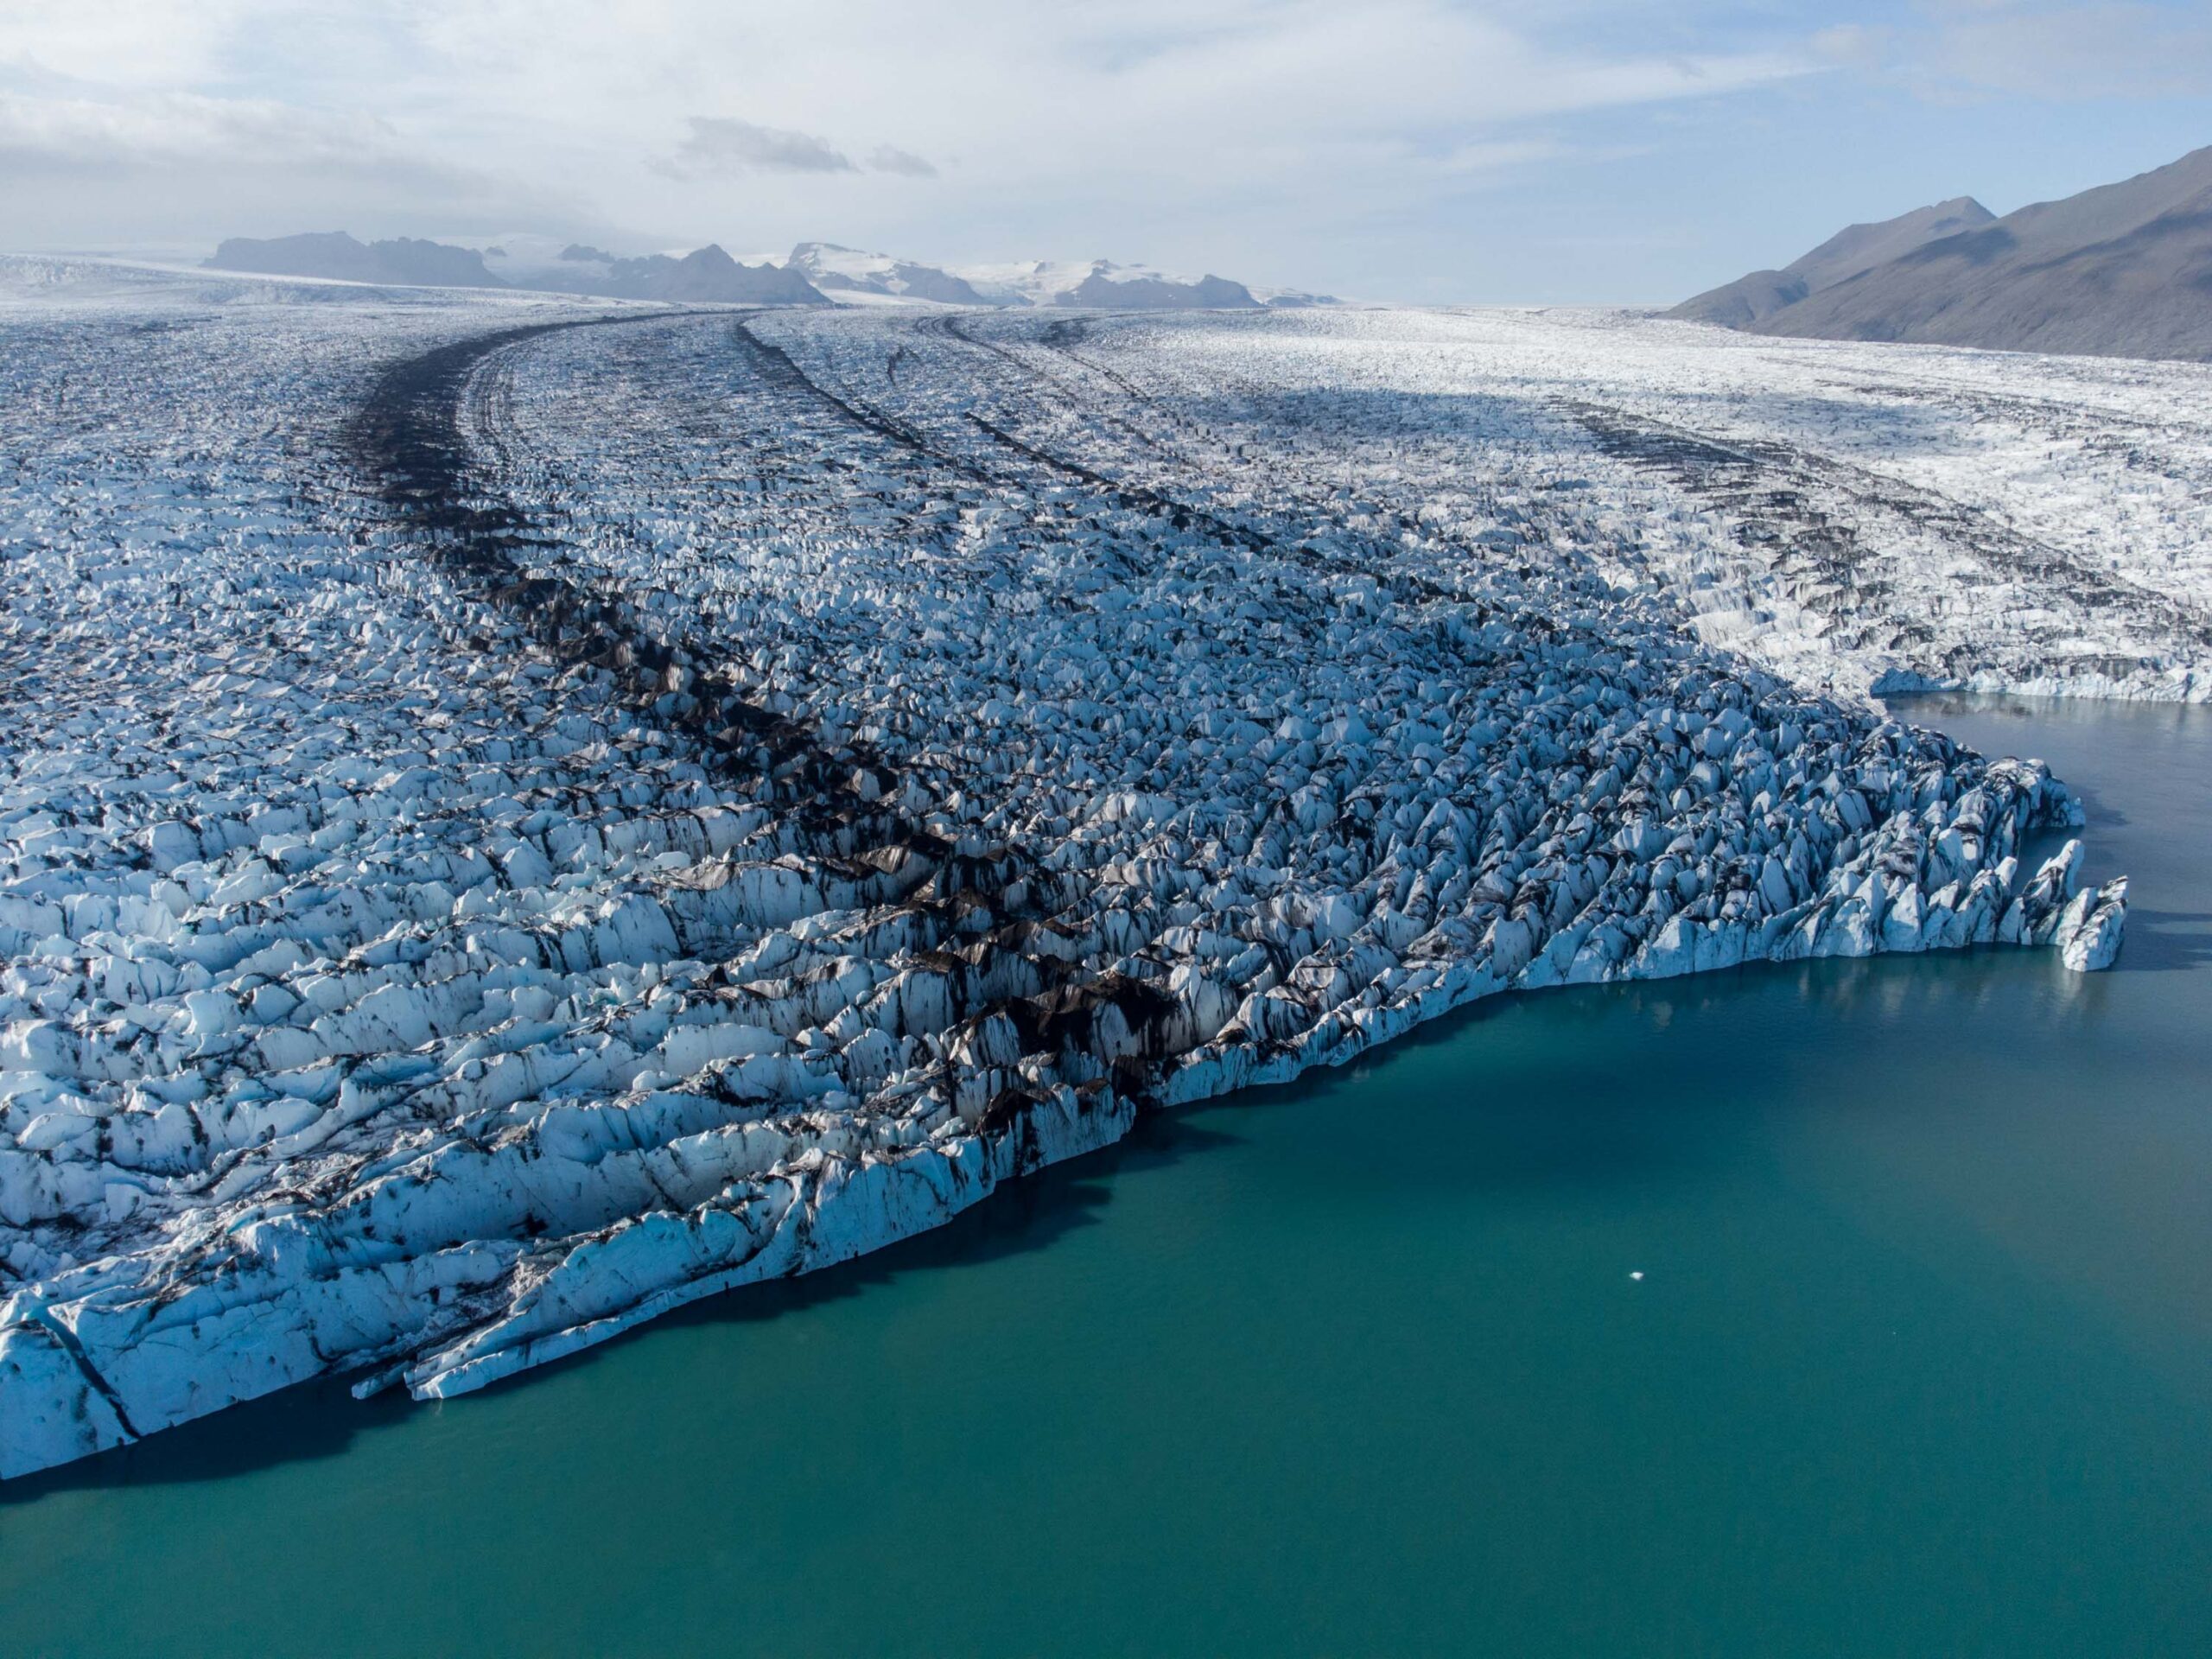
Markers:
point(518, 814)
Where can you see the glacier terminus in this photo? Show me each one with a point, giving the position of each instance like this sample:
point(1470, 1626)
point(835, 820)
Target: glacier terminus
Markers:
point(521, 812)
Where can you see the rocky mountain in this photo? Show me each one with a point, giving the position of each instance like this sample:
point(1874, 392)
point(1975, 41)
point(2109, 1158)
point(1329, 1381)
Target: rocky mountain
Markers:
point(403, 260)
point(706, 275)
point(1148, 293)
point(1861, 247)
point(1749, 299)
point(2123, 270)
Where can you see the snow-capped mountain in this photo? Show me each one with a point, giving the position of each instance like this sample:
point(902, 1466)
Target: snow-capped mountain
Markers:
point(1290, 299)
point(1101, 282)
point(843, 271)
point(837, 271)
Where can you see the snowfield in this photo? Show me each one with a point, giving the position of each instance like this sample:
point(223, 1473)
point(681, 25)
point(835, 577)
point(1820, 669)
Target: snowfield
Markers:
point(517, 814)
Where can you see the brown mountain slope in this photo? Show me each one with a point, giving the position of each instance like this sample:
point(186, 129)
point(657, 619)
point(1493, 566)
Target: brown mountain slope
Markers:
point(1747, 301)
point(2124, 269)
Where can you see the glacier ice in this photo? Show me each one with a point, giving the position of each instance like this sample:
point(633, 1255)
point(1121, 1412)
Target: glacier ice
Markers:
point(517, 816)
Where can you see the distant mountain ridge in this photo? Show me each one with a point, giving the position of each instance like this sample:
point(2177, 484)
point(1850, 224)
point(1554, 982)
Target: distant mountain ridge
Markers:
point(706, 275)
point(1209, 293)
point(840, 270)
point(1106, 286)
point(1103, 284)
point(703, 276)
point(2124, 270)
point(334, 254)
point(811, 275)
point(1099, 284)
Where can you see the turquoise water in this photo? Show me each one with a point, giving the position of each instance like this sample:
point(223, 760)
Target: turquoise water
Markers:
point(1921, 1361)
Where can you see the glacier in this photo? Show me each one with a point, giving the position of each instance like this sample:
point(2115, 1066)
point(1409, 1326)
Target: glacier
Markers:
point(518, 814)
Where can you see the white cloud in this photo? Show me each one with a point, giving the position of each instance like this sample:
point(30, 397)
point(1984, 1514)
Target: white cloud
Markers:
point(724, 147)
point(167, 127)
point(889, 158)
point(1854, 46)
point(123, 44)
point(719, 146)
point(1964, 50)
point(183, 168)
point(2069, 52)
point(1149, 118)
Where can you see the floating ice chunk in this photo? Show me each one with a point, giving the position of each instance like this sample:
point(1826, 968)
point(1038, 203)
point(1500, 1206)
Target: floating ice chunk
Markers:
point(2091, 942)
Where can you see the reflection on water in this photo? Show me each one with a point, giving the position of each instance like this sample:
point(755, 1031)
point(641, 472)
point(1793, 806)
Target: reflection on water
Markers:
point(1920, 1360)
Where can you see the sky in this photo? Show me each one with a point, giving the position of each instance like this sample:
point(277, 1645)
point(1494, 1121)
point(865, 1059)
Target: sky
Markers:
point(1419, 150)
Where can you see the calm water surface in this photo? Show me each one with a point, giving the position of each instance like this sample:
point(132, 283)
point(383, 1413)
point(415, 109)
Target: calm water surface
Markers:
point(1920, 1363)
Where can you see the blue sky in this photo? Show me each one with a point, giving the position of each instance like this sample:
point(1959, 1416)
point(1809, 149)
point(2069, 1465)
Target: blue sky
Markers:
point(1410, 150)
